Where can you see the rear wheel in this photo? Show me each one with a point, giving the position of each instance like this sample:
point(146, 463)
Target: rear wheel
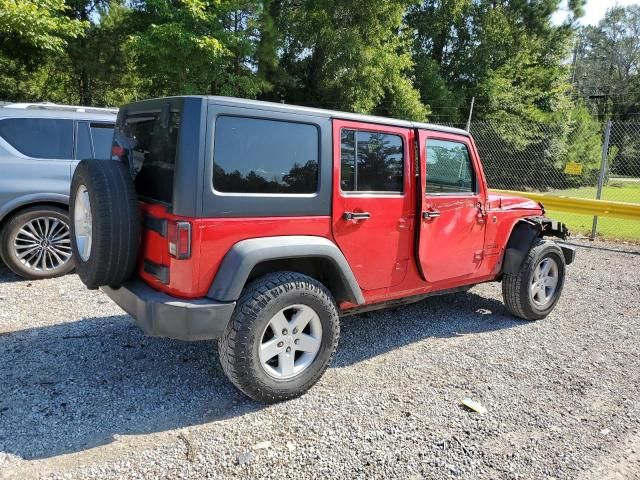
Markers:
point(533, 292)
point(36, 243)
point(281, 338)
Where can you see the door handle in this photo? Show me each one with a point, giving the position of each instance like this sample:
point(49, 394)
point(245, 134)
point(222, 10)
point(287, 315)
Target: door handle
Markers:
point(427, 214)
point(356, 216)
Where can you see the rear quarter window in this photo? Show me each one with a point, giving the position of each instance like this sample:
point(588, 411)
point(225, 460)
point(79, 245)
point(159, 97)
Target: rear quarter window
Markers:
point(260, 156)
point(39, 137)
point(93, 140)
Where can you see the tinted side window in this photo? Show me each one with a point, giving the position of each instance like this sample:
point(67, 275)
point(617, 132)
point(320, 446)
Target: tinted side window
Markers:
point(39, 137)
point(371, 162)
point(449, 168)
point(102, 136)
point(264, 156)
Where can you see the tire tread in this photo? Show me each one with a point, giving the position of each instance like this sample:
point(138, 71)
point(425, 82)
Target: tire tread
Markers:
point(238, 340)
point(515, 286)
point(116, 224)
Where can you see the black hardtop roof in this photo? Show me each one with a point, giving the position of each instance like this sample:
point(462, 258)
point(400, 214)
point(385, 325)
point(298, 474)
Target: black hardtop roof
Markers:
point(320, 112)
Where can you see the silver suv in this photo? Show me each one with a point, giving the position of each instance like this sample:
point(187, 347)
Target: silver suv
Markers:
point(40, 146)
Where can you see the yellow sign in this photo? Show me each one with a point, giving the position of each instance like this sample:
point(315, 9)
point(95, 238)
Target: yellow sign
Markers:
point(573, 168)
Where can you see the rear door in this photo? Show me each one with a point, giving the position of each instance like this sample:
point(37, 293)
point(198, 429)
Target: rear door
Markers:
point(35, 157)
point(372, 211)
point(452, 223)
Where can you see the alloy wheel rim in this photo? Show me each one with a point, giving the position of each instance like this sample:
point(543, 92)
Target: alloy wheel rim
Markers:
point(43, 244)
point(83, 223)
point(544, 282)
point(290, 342)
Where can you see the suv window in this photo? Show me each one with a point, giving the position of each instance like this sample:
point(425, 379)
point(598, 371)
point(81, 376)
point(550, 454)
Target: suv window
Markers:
point(102, 137)
point(449, 167)
point(253, 155)
point(371, 162)
point(39, 137)
point(94, 140)
point(150, 148)
point(83, 141)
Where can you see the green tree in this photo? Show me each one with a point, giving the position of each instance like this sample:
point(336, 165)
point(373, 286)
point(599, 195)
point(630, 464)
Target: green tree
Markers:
point(31, 32)
point(348, 55)
point(465, 48)
point(607, 64)
point(195, 47)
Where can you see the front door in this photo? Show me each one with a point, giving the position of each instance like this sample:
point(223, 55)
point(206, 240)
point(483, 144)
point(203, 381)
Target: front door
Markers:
point(373, 207)
point(452, 223)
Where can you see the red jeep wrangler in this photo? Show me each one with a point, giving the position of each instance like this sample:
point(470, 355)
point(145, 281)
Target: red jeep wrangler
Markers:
point(260, 224)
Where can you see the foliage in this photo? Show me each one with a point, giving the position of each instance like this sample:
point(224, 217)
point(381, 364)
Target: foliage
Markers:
point(193, 47)
point(348, 56)
point(32, 32)
point(607, 64)
point(35, 25)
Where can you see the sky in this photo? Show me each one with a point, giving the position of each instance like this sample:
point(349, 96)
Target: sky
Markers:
point(595, 10)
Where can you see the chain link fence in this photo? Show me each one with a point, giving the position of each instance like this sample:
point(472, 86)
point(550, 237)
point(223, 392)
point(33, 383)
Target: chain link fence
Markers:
point(583, 159)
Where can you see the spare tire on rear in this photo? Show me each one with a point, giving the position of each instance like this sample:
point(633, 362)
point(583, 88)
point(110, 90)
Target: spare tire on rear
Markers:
point(105, 222)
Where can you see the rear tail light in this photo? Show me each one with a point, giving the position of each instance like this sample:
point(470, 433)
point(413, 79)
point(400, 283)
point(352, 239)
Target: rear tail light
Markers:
point(117, 151)
point(179, 235)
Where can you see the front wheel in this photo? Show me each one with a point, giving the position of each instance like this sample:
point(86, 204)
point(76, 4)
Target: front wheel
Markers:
point(281, 338)
point(534, 290)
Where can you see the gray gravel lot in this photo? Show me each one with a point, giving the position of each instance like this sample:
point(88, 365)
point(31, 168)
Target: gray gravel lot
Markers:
point(83, 394)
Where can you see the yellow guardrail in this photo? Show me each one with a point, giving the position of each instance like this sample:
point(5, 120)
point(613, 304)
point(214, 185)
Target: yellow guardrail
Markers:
point(585, 206)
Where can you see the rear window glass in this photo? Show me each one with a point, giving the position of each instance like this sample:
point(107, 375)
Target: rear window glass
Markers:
point(39, 137)
point(150, 150)
point(265, 156)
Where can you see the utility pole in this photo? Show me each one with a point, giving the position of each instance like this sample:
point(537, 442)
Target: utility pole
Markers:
point(603, 174)
point(473, 101)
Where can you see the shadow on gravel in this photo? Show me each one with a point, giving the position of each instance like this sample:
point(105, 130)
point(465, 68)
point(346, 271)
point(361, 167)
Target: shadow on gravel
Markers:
point(73, 386)
point(631, 249)
point(371, 334)
point(7, 275)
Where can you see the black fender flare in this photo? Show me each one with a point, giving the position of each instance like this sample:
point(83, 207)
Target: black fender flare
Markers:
point(241, 259)
point(519, 244)
point(524, 234)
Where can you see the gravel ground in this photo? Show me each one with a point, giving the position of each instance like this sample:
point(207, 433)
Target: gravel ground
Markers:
point(83, 394)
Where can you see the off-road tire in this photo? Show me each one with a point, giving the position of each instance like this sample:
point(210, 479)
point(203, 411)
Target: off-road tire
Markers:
point(7, 240)
point(260, 300)
point(515, 287)
point(115, 222)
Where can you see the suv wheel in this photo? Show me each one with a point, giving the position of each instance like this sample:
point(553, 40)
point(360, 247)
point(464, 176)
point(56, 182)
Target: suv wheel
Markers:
point(36, 243)
point(281, 338)
point(534, 291)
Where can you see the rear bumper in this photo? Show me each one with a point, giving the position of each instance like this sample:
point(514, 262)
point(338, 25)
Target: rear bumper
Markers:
point(162, 315)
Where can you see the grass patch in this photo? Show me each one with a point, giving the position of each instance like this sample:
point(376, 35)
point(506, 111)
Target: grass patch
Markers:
point(616, 228)
point(616, 191)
